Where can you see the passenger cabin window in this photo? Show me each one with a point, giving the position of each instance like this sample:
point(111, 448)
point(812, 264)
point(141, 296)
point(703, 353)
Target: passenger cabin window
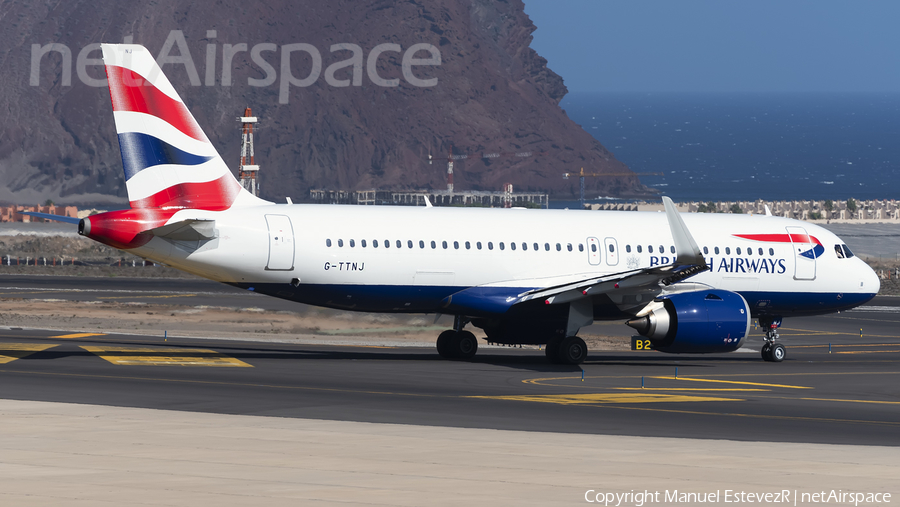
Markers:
point(399, 244)
point(717, 250)
point(352, 243)
point(639, 249)
point(771, 251)
point(749, 251)
point(705, 251)
point(662, 249)
point(650, 248)
point(468, 245)
point(387, 243)
point(433, 245)
point(502, 246)
point(627, 248)
point(375, 243)
point(547, 246)
point(444, 244)
point(569, 246)
point(593, 247)
point(512, 245)
point(490, 245)
point(340, 242)
point(672, 249)
point(478, 245)
point(421, 244)
point(362, 243)
point(456, 245)
point(580, 247)
point(611, 248)
point(536, 247)
point(760, 251)
point(328, 243)
point(738, 250)
point(727, 250)
point(558, 247)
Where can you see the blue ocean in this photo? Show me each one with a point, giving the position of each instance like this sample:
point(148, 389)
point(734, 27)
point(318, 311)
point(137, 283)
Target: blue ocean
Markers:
point(718, 147)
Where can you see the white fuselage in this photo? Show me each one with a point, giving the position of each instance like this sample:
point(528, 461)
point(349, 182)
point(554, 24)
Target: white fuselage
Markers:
point(384, 253)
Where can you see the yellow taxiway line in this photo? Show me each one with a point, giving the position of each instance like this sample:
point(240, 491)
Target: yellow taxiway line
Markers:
point(689, 379)
point(9, 352)
point(78, 335)
point(146, 356)
point(603, 398)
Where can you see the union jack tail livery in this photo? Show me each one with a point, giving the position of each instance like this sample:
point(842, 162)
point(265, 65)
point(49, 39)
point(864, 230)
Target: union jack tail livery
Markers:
point(168, 160)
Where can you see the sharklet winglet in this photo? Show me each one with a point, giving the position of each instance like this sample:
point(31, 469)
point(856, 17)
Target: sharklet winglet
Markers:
point(686, 250)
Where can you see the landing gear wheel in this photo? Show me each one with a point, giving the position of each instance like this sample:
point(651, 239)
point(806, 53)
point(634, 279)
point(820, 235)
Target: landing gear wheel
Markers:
point(572, 350)
point(552, 349)
point(765, 352)
point(777, 352)
point(445, 344)
point(465, 345)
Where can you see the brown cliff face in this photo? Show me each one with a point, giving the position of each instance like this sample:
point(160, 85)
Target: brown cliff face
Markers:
point(493, 94)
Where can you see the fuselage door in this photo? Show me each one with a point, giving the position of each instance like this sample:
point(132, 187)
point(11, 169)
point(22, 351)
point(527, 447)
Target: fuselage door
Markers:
point(281, 243)
point(804, 254)
point(612, 251)
point(593, 248)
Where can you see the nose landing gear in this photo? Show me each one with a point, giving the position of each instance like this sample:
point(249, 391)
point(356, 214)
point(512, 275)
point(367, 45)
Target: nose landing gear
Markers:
point(771, 351)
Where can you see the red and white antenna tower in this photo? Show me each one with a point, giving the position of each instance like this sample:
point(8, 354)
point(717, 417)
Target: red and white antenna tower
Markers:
point(450, 170)
point(248, 171)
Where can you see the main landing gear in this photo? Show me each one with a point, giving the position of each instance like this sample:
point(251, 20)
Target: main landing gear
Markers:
point(771, 351)
point(456, 343)
point(568, 350)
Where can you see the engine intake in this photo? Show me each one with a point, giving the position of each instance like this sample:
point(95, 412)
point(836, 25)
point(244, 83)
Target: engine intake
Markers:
point(695, 322)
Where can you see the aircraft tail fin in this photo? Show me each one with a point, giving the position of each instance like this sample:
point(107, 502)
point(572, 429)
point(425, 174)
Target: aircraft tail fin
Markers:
point(168, 160)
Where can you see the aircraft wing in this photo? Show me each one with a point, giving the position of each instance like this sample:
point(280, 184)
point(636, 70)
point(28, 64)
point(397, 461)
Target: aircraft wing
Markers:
point(495, 299)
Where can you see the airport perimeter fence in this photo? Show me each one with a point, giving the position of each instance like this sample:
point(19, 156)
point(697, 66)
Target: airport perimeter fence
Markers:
point(10, 261)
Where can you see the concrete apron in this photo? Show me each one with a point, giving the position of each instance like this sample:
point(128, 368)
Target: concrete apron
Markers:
point(68, 454)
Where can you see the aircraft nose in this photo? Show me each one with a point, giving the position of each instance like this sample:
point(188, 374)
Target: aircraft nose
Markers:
point(869, 281)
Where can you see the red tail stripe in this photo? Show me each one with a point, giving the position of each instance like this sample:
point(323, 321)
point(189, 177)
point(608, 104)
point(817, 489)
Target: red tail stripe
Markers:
point(131, 92)
point(216, 195)
point(780, 238)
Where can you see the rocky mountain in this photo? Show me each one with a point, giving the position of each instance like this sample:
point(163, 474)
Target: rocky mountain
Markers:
point(350, 95)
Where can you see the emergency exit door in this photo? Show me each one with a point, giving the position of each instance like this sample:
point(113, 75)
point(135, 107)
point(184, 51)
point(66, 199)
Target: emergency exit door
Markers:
point(593, 248)
point(612, 254)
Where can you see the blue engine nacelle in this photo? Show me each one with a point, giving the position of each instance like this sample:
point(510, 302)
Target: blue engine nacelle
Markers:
point(695, 322)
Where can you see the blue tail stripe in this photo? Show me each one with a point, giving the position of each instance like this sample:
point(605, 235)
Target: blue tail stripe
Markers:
point(140, 151)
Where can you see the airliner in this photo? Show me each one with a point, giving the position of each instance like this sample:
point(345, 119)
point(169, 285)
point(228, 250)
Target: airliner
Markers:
point(686, 283)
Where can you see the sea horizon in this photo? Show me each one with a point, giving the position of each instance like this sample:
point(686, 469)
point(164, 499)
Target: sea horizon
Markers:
point(774, 146)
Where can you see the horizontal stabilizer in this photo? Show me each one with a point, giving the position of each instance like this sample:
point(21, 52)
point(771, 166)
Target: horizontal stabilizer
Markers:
point(48, 216)
point(187, 230)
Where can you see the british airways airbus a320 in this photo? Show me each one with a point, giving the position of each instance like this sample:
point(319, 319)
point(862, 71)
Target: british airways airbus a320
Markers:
point(688, 283)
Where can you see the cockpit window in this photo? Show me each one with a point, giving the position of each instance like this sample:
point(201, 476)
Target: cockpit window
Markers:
point(847, 252)
point(838, 251)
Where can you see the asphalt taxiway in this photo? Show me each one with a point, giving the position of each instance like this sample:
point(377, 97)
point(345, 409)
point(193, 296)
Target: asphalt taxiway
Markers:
point(838, 385)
